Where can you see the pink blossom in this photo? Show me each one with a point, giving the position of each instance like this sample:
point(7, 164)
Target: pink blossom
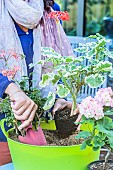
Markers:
point(10, 73)
point(104, 96)
point(2, 54)
point(91, 108)
point(14, 55)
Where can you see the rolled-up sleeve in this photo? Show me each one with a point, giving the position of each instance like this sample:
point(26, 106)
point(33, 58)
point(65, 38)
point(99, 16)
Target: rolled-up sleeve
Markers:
point(4, 82)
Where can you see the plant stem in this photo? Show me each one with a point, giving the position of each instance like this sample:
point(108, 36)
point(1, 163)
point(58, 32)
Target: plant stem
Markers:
point(73, 92)
point(73, 104)
point(106, 158)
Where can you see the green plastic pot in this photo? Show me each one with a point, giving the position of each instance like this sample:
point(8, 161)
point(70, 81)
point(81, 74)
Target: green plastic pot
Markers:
point(29, 157)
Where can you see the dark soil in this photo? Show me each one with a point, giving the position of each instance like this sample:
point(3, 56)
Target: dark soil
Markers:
point(13, 136)
point(99, 166)
point(65, 133)
point(65, 123)
point(55, 139)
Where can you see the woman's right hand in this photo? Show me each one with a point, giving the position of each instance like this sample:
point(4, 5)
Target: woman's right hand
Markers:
point(23, 107)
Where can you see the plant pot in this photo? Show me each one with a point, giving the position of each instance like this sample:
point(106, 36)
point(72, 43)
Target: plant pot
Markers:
point(28, 157)
point(98, 165)
point(65, 123)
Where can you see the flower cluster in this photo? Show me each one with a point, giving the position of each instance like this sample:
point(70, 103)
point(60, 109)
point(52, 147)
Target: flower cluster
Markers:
point(9, 63)
point(10, 73)
point(91, 108)
point(104, 96)
point(10, 54)
point(57, 15)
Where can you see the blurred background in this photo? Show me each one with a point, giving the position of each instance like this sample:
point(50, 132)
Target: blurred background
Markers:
point(88, 17)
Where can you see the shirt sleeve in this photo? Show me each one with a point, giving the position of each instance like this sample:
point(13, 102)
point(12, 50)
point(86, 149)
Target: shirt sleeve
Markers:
point(4, 82)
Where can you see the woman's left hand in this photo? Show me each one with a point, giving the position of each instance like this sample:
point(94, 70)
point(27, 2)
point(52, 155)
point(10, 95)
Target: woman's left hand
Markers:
point(60, 104)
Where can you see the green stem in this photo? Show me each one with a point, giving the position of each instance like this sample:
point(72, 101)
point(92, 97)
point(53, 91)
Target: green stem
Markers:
point(73, 104)
point(73, 94)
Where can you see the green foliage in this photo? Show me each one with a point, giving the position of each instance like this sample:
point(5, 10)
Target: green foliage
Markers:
point(72, 72)
point(101, 134)
point(33, 93)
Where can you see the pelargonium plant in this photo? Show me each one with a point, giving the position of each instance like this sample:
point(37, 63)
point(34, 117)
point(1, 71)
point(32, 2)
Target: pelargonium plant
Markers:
point(72, 71)
point(97, 112)
point(74, 74)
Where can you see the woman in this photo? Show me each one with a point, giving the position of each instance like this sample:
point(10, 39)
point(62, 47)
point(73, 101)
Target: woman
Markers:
point(21, 33)
point(12, 12)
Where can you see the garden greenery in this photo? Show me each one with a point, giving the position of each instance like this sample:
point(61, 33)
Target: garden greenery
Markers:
point(72, 71)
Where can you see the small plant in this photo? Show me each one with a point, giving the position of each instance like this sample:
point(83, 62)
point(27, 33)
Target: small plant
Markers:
point(33, 93)
point(95, 113)
point(72, 72)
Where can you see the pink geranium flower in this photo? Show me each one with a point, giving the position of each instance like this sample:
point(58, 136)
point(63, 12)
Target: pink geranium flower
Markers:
point(104, 96)
point(91, 108)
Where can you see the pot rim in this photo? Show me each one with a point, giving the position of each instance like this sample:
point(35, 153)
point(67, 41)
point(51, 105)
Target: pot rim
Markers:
point(109, 161)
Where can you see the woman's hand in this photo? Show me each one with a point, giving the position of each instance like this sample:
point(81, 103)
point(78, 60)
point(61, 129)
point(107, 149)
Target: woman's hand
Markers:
point(22, 106)
point(60, 104)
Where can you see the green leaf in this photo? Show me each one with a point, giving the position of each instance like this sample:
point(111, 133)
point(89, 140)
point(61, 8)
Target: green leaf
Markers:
point(104, 66)
point(83, 146)
point(50, 101)
point(94, 81)
point(110, 140)
point(96, 148)
point(69, 59)
point(46, 78)
point(89, 142)
point(56, 79)
point(90, 54)
point(108, 112)
point(83, 135)
point(79, 59)
point(82, 49)
point(98, 142)
point(105, 126)
point(62, 91)
point(34, 64)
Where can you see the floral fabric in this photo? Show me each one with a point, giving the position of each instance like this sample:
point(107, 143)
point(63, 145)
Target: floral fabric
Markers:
point(27, 14)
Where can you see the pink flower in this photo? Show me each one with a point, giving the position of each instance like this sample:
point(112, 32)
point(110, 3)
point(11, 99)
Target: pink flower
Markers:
point(10, 73)
point(2, 54)
point(104, 96)
point(14, 55)
point(91, 108)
